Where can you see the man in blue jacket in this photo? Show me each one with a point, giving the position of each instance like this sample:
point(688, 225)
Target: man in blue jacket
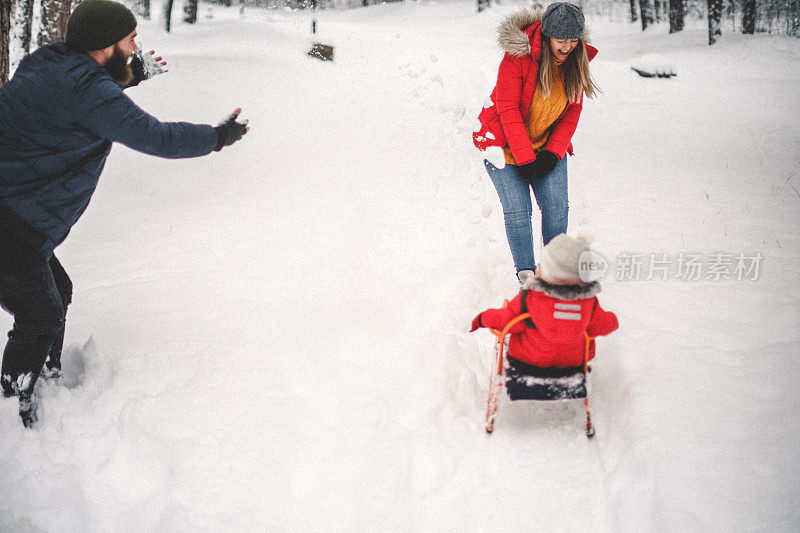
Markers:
point(59, 116)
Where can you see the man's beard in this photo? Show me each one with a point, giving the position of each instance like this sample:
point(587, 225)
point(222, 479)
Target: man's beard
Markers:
point(119, 69)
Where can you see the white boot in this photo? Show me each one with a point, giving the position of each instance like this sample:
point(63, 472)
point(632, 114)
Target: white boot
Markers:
point(523, 276)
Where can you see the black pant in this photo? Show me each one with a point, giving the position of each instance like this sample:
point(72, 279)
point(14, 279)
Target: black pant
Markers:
point(36, 292)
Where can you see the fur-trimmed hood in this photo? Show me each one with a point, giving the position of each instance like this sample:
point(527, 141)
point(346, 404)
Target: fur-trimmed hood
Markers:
point(563, 292)
point(515, 33)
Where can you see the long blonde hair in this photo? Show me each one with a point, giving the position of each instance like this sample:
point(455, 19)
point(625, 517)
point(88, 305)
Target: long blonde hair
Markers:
point(577, 77)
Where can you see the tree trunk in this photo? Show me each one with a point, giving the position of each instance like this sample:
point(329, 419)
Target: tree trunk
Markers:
point(190, 11)
point(26, 25)
point(749, 16)
point(794, 18)
point(145, 9)
point(5, 40)
point(675, 16)
point(634, 13)
point(646, 9)
point(54, 21)
point(714, 14)
point(168, 14)
point(21, 28)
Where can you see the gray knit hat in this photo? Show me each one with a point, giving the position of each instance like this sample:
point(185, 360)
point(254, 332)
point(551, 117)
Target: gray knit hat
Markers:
point(563, 20)
point(97, 24)
point(560, 260)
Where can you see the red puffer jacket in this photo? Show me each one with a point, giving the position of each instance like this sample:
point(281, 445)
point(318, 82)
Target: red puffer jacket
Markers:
point(502, 119)
point(561, 314)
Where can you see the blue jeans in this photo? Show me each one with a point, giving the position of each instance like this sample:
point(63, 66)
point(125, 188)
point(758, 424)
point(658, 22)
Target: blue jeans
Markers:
point(515, 196)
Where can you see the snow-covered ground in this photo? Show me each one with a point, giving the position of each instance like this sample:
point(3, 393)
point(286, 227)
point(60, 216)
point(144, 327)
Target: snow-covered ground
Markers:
point(275, 337)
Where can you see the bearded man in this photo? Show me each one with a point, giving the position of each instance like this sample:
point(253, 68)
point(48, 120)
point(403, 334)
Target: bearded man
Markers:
point(59, 116)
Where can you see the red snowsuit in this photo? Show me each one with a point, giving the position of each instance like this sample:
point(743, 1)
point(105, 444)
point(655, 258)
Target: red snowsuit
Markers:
point(502, 123)
point(561, 315)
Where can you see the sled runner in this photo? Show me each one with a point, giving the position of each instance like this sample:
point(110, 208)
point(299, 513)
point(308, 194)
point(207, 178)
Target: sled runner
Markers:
point(526, 382)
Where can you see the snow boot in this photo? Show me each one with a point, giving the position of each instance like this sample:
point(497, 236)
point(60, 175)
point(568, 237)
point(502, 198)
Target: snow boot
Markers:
point(27, 409)
point(51, 371)
point(22, 387)
point(523, 276)
point(5, 383)
point(52, 366)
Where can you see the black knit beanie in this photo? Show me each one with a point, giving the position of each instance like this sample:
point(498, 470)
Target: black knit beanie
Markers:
point(563, 20)
point(97, 24)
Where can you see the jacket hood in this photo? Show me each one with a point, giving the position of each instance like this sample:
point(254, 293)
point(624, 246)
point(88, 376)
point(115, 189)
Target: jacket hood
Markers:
point(511, 34)
point(563, 292)
point(517, 31)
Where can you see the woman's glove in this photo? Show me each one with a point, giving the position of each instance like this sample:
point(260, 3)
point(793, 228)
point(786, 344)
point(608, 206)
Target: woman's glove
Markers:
point(540, 167)
point(230, 131)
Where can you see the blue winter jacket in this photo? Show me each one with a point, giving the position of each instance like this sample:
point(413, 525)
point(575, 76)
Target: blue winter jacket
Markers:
point(59, 115)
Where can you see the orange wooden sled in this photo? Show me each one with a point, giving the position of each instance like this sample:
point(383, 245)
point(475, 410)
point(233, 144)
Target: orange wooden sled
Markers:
point(497, 378)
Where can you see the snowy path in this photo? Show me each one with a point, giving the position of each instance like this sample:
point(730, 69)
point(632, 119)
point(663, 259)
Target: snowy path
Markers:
point(278, 331)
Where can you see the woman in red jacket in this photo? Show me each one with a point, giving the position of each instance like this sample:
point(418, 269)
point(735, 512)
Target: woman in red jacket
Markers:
point(562, 308)
point(532, 115)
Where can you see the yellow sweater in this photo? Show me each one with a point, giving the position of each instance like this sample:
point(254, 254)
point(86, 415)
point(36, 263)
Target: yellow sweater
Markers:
point(543, 114)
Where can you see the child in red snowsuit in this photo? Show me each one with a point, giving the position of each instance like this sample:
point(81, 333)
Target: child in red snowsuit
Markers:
point(562, 308)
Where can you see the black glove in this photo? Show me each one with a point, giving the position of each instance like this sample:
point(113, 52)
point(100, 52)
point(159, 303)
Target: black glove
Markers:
point(540, 167)
point(230, 131)
point(138, 70)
